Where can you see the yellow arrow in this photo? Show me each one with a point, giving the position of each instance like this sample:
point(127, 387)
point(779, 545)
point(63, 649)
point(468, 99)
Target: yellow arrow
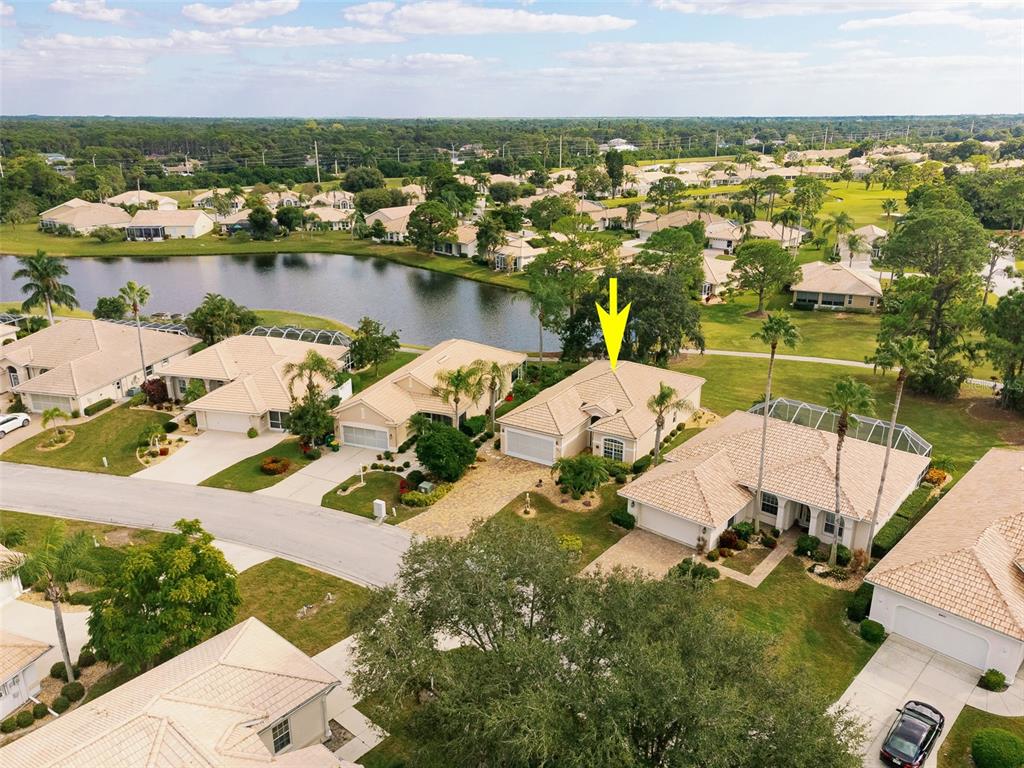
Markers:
point(613, 322)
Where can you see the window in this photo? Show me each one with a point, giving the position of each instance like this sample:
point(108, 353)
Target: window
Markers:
point(613, 449)
point(871, 300)
point(282, 736)
point(706, 290)
point(830, 524)
point(149, 370)
point(12, 375)
point(278, 419)
point(182, 386)
point(770, 504)
point(833, 299)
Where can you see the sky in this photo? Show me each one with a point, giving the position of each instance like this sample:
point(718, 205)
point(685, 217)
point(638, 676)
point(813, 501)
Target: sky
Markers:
point(511, 58)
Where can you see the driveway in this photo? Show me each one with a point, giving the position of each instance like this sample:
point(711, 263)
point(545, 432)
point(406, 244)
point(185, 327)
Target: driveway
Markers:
point(35, 621)
point(309, 484)
point(645, 551)
point(206, 455)
point(899, 671)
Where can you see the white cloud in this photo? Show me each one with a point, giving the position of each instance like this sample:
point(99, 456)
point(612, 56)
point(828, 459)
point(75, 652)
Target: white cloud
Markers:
point(90, 10)
point(6, 14)
point(242, 12)
point(686, 60)
point(757, 9)
point(454, 17)
point(997, 29)
point(280, 36)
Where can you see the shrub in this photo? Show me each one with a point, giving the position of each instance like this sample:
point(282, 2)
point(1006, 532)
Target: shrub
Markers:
point(694, 570)
point(860, 603)
point(73, 691)
point(58, 672)
point(488, 435)
point(838, 573)
point(769, 541)
point(992, 680)
point(313, 454)
point(420, 499)
point(85, 598)
point(943, 463)
point(806, 545)
point(497, 444)
point(98, 406)
point(570, 542)
point(156, 391)
point(343, 487)
point(473, 426)
point(86, 659)
point(729, 539)
point(60, 705)
point(275, 465)
point(744, 530)
point(725, 552)
point(712, 555)
point(251, 432)
point(776, 533)
point(621, 517)
point(641, 465)
point(415, 477)
point(843, 555)
point(582, 473)
point(40, 710)
point(75, 413)
point(445, 452)
point(170, 426)
point(819, 555)
point(934, 477)
point(25, 718)
point(997, 748)
point(406, 464)
point(388, 455)
point(10, 725)
point(872, 631)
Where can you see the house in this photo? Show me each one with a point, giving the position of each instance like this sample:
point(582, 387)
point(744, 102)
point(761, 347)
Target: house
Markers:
point(233, 221)
point(333, 218)
point(709, 482)
point(83, 217)
point(336, 198)
point(717, 273)
point(678, 218)
point(462, 242)
point(616, 218)
point(517, 253)
point(19, 678)
point(74, 363)
point(245, 381)
point(725, 236)
point(589, 207)
point(414, 193)
point(598, 409)
point(378, 417)
point(10, 585)
point(8, 333)
point(244, 697)
point(955, 582)
point(285, 199)
point(836, 286)
point(206, 199)
point(186, 224)
point(143, 199)
point(395, 221)
point(872, 248)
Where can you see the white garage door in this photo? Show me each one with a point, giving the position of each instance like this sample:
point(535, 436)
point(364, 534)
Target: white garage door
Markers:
point(42, 403)
point(362, 437)
point(524, 445)
point(226, 422)
point(670, 526)
point(943, 637)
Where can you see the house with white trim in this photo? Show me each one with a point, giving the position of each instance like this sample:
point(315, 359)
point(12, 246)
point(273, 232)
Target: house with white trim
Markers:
point(395, 220)
point(836, 287)
point(157, 225)
point(335, 198)
point(143, 199)
point(82, 217)
point(20, 681)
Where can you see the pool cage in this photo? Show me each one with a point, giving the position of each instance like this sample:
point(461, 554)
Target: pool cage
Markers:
point(865, 428)
point(154, 325)
point(314, 335)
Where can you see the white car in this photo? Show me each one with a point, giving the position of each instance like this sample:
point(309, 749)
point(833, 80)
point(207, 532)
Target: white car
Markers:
point(12, 421)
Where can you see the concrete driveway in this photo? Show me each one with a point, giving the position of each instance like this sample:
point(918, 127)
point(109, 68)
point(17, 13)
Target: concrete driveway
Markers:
point(899, 671)
point(310, 483)
point(35, 621)
point(206, 455)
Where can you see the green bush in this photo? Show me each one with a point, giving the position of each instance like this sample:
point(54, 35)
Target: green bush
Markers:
point(40, 710)
point(73, 691)
point(623, 519)
point(744, 530)
point(997, 748)
point(570, 542)
point(872, 631)
point(694, 570)
point(582, 473)
point(445, 452)
point(10, 725)
point(60, 705)
point(843, 556)
point(992, 680)
point(724, 552)
point(25, 718)
point(85, 598)
point(473, 426)
point(86, 659)
point(75, 413)
point(170, 426)
point(729, 539)
point(313, 454)
point(58, 672)
point(910, 512)
point(420, 499)
point(770, 542)
point(712, 555)
point(98, 406)
point(641, 465)
point(807, 545)
point(251, 432)
point(860, 603)
point(139, 398)
point(414, 478)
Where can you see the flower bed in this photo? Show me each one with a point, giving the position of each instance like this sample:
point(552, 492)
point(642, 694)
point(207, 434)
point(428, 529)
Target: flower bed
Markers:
point(55, 444)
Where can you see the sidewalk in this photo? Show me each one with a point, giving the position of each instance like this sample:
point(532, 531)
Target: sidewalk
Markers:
point(761, 571)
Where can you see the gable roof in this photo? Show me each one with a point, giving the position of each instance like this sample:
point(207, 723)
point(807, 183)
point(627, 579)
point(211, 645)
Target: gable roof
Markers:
point(819, 277)
point(17, 652)
point(74, 202)
point(966, 556)
point(624, 391)
point(186, 217)
point(141, 197)
point(84, 214)
point(717, 271)
point(84, 355)
point(332, 197)
point(204, 708)
point(678, 218)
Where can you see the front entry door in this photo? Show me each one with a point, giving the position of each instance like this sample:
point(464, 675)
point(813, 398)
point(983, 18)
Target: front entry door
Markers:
point(803, 516)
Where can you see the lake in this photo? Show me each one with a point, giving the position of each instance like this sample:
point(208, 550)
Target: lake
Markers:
point(425, 307)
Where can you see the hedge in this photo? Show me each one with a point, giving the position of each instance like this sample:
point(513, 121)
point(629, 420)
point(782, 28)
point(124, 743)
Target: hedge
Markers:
point(997, 748)
point(623, 519)
point(73, 691)
point(98, 406)
point(40, 710)
point(10, 725)
point(60, 705)
point(907, 516)
point(872, 631)
point(860, 603)
point(25, 718)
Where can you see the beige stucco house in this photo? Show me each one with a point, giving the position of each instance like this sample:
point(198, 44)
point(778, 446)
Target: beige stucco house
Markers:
point(598, 409)
point(75, 363)
point(678, 218)
point(395, 221)
point(83, 217)
point(726, 236)
point(708, 483)
point(333, 218)
point(143, 199)
point(335, 198)
point(19, 678)
point(717, 274)
point(837, 287)
point(206, 199)
point(462, 242)
point(8, 333)
point(188, 224)
point(378, 417)
point(955, 582)
point(245, 381)
point(244, 697)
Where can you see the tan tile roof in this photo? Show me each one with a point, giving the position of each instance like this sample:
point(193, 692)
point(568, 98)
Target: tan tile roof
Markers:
point(84, 355)
point(17, 652)
point(88, 215)
point(717, 271)
point(562, 408)
point(394, 219)
point(837, 278)
point(140, 197)
point(255, 367)
point(391, 397)
point(799, 465)
point(74, 202)
point(326, 213)
point(187, 217)
point(964, 557)
point(204, 708)
point(678, 219)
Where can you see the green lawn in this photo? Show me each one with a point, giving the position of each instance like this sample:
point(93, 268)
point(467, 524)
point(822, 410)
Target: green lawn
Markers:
point(15, 306)
point(274, 592)
point(956, 749)
point(113, 434)
point(247, 476)
point(805, 621)
point(379, 485)
point(363, 379)
point(35, 526)
point(747, 560)
point(299, 320)
point(963, 429)
point(592, 526)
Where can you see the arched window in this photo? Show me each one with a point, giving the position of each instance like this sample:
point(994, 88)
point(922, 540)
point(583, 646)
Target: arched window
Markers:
point(769, 504)
point(12, 375)
point(613, 448)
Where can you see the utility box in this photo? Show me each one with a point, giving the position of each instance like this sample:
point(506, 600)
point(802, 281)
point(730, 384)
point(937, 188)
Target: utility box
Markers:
point(425, 487)
point(380, 509)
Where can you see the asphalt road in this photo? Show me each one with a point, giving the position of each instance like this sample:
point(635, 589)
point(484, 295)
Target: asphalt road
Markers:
point(348, 546)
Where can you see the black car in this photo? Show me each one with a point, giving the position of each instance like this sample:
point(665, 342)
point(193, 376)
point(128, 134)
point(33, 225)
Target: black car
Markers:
point(912, 736)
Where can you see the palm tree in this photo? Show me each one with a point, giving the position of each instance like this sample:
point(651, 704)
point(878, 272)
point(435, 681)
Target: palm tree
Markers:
point(57, 561)
point(912, 356)
point(702, 206)
point(136, 296)
point(666, 400)
point(454, 384)
point(786, 218)
point(846, 396)
point(313, 368)
point(43, 284)
point(52, 415)
point(839, 223)
point(776, 329)
point(890, 206)
point(493, 376)
point(854, 244)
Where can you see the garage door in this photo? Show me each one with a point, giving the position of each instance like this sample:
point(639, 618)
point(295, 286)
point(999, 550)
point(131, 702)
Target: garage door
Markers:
point(670, 526)
point(226, 422)
point(42, 403)
point(362, 437)
point(941, 636)
point(524, 445)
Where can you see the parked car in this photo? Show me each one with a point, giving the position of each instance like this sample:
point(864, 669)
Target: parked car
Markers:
point(12, 421)
point(912, 736)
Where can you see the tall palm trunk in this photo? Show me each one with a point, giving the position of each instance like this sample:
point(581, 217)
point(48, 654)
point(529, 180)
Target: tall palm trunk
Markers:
point(49, 311)
point(841, 435)
point(901, 379)
point(138, 330)
point(455, 400)
point(659, 423)
point(494, 403)
point(764, 441)
point(540, 334)
point(53, 595)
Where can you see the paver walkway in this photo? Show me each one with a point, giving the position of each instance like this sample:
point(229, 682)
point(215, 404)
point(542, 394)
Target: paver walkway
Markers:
point(762, 570)
point(341, 703)
point(479, 495)
point(645, 551)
